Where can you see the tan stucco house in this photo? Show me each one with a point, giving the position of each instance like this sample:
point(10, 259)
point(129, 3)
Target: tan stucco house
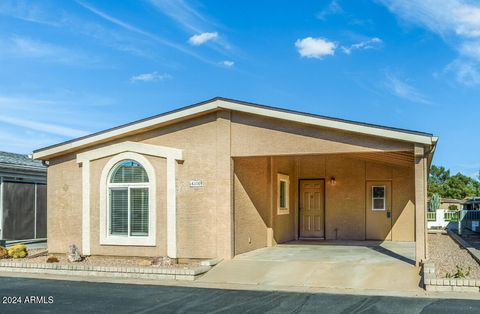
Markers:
point(223, 177)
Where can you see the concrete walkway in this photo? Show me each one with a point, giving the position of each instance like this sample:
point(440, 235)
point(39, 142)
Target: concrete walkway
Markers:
point(344, 265)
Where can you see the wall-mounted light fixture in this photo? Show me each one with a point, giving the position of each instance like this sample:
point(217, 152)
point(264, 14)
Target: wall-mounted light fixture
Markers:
point(333, 181)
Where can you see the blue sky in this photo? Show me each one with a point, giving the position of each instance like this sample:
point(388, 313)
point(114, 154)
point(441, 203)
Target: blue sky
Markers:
point(68, 68)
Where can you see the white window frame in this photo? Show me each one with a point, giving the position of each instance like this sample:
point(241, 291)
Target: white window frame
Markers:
point(377, 198)
point(283, 178)
point(105, 237)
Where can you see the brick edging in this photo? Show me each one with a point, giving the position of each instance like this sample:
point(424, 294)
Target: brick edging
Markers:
point(432, 283)
point(186, 273)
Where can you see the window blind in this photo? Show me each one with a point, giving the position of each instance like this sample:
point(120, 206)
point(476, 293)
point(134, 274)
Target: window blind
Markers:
point(129, 172)
point(119, 211)
point(139, 211)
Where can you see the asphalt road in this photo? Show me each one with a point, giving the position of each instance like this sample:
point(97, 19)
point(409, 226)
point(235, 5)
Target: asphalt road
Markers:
point(84, 297)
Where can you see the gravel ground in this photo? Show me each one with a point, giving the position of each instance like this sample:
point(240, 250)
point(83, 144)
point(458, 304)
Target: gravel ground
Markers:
point(446, 254)
point(98, 260)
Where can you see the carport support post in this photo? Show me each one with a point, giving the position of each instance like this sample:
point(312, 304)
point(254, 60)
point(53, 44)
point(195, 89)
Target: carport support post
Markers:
point(420, 204)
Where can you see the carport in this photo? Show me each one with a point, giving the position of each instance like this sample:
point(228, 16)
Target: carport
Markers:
point(324, 264)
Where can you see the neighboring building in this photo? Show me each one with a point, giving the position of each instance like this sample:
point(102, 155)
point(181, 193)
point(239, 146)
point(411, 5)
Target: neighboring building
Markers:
point(445, 203)
point(223, 177)
point(472, 203)
point(23, 197)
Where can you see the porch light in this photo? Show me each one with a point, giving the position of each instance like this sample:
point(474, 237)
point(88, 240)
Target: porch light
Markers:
point(332, 181)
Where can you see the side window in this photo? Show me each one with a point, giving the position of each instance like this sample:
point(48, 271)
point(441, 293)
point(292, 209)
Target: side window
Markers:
point(283, 194)
point(378, 197)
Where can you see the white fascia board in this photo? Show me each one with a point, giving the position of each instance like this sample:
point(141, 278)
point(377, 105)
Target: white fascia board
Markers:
point(340, 125)
point(223, 104)
point(129, 128)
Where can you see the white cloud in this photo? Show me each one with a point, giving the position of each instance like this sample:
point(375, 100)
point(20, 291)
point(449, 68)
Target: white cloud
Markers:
point(184, 14)
point(228, 63)
point(332, 8)
point(28, 11)
point(137, 30)
point(465, 72)
point(202, 38)
point(190, 19)
point(44, 127)
point(374, 42)
point(23, 47)
point(404, 90)
point(315, 47)
point(456, 21)
point(150, 77)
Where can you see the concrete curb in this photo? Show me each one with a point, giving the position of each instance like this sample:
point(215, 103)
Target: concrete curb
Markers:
point(432, 283)
point(473, 251)
point(172, 273)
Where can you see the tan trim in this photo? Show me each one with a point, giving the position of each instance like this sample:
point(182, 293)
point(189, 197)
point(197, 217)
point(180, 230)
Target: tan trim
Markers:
point(218, 104)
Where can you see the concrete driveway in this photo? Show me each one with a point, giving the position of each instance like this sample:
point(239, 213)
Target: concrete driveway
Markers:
point(338, 265)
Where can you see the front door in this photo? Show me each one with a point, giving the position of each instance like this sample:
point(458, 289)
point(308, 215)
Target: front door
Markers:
point(379, 210)
point(312, 208)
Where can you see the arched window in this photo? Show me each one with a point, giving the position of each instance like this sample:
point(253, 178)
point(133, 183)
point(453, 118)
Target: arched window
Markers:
point(128, 199)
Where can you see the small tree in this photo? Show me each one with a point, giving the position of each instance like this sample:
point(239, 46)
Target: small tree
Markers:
point(434, 203)
point(452, 207)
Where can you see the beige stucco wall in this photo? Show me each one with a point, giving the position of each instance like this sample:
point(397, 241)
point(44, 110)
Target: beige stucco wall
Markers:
point(64, 204)
point(276, 137)
point(252, 203)
point(199, 233)
point(242, 202)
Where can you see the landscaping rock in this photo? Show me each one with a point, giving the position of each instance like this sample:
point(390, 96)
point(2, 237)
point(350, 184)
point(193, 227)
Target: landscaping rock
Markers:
point(52, 259)
point(145, 262)
point(163, 261)
point(73, 254)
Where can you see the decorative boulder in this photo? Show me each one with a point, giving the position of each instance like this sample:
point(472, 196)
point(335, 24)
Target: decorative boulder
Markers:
point(163, 261)
point(73, 254)
point(52, 259)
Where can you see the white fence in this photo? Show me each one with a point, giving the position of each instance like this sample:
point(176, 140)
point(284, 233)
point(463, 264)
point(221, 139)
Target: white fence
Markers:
point(440, 218)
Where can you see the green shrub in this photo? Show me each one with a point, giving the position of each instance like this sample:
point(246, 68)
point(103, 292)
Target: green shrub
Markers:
point(18, 251)
point(460, 273)
point(452, 207)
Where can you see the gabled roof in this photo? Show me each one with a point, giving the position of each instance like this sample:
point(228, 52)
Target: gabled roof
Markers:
point(219, 103)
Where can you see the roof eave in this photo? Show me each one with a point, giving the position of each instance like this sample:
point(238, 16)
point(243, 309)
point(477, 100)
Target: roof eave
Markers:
point(222, 103)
